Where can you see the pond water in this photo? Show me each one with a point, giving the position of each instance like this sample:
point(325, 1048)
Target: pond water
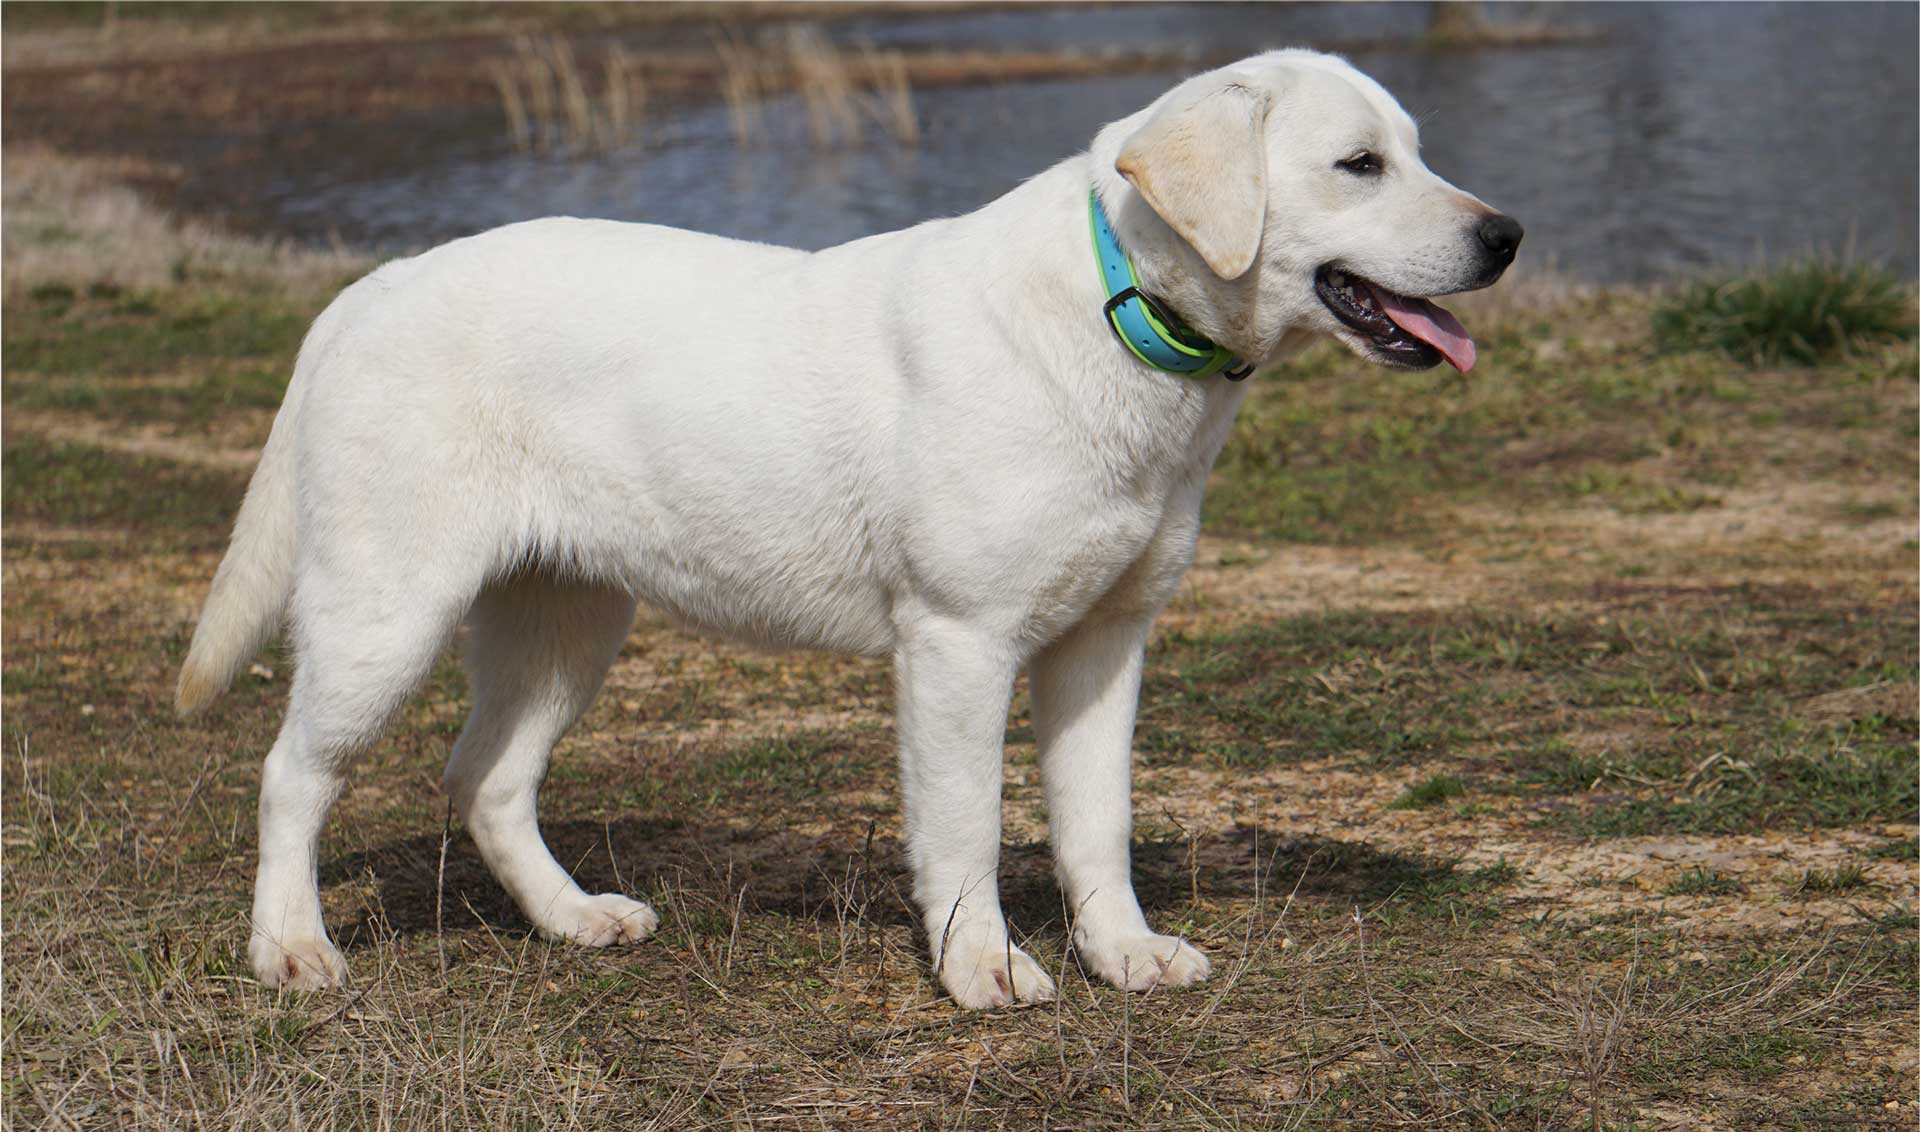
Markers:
point(1677, 136)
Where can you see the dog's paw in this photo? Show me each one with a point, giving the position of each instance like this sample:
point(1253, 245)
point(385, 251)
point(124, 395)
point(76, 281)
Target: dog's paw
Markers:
point(297, 964)
point(1143, 962)
point(983, 976)
point(602, 921)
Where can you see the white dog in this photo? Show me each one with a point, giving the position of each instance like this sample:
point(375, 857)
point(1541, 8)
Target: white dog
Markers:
point(935, 445)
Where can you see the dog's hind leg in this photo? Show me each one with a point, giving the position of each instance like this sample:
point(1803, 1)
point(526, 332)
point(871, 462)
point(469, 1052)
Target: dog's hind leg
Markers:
point(361, 648)
point(537, 654)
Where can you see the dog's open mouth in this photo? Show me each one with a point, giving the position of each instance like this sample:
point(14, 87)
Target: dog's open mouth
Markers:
point(1403, 330)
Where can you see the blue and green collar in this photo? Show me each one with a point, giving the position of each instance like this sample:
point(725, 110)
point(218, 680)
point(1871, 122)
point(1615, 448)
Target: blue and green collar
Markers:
point(1148, 330)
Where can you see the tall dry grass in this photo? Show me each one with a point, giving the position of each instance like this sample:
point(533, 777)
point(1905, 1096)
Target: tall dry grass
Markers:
point(75, 221)
point(551, 104)
point(821, 78)
point(741, 85)
point(626, 98)
point(843, 90)
point(892, 97)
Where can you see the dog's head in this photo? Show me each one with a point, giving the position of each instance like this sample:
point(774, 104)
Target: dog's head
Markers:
point(1284, 196)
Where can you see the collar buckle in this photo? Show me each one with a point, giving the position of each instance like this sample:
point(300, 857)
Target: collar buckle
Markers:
point(1126, 296)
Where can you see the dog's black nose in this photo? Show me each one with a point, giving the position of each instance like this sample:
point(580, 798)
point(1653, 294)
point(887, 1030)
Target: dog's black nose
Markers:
point(1500, 235)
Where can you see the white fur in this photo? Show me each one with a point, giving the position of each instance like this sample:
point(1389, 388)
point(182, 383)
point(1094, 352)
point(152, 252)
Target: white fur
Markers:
point(925, 445)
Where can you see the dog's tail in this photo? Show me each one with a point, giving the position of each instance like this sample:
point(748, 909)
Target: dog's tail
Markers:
point(255, 580)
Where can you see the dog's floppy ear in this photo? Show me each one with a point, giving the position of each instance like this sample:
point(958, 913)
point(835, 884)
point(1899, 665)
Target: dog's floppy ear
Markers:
point(1202, 164)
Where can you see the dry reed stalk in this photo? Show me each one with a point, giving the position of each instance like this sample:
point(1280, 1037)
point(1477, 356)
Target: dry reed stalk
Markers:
point(540, 88)
point(557, 109)
point(892, 98)
point(518, 127)
point(625, 97)
point(820, 75)
point(548, 104)
point(739, 85)
point(575, 103)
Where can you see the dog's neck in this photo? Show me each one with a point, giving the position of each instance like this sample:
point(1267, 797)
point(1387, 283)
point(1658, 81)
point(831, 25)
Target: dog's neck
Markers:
point(1027, 258)
point(1038, 233)
point(1150, 329)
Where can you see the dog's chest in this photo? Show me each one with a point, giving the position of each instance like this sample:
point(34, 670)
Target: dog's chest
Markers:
point(1122, 561)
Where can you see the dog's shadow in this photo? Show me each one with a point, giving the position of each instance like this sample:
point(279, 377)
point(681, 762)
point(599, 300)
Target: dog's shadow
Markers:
point(692, 869)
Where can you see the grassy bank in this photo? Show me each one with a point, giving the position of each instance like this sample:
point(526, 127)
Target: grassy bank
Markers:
point(1530, 749)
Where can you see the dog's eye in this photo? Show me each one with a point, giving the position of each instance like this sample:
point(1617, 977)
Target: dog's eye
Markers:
point(1364, 164)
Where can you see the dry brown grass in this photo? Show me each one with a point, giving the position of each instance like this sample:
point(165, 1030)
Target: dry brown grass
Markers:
point(893, 93)
point(551, 105)
point(787, 985)
point(75, 222)
point(1463, 25)
point(740, 85)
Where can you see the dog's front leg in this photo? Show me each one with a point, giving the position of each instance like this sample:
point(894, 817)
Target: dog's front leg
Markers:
point(1085, 687)
point(953, 684)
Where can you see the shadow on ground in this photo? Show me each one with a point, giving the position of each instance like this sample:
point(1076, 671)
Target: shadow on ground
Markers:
point(819, 876)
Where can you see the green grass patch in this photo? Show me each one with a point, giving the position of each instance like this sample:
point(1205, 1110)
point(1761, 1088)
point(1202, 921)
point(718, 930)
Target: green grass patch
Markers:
point(195, 400)
point(792, 768)
point(1800, 314)
point(1704, 703)
point(1699, 881)
point(1631, 495)
point(1869, 512)
point(801, 763)
point(1809, 775)
point(1300, 688)
point(1581, 403)
point(1848, 877)
point(79, 485)
point(1430, 791)
point(1344, 455)
point(106, 332)
point(1764, 1055)
point(1556, 766)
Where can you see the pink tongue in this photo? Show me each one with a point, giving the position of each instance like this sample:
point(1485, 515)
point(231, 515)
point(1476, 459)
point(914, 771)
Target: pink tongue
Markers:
point(1434, 325)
